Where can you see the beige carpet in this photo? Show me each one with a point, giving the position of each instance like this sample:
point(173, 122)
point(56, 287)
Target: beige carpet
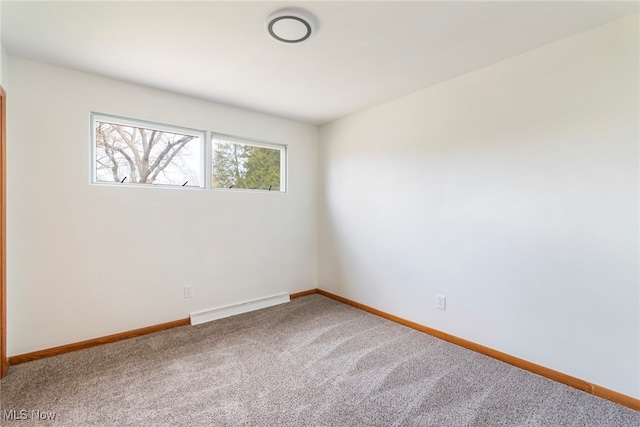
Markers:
point(312, 362)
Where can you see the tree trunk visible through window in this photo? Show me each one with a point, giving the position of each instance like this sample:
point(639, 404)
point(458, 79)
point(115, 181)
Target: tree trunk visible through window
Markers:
point(238, 165)
point(145, 156)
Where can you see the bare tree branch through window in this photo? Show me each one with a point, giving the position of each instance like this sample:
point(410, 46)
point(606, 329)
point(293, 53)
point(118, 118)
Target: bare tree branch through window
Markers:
point(146, 156)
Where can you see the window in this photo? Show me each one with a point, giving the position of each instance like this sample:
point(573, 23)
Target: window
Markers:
point(243, 164)
point(134, 152)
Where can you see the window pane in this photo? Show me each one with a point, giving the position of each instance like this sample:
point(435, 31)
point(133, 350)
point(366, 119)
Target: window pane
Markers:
point(245, 166)
point(129, 154)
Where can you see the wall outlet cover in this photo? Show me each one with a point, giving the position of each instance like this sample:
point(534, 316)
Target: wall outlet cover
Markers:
point(188, 291)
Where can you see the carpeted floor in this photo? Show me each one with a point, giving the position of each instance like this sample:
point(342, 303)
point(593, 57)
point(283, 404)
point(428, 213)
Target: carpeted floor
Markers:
point(311, 362)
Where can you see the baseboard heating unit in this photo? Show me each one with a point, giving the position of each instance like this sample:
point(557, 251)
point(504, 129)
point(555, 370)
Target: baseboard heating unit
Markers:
point(239, 308)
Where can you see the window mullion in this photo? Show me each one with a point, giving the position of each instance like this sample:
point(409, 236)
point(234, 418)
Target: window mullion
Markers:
point(208, 159)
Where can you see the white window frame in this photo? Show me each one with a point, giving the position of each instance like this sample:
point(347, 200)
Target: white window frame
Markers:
point(254, 143)
point(124, 121)
point(206, 138)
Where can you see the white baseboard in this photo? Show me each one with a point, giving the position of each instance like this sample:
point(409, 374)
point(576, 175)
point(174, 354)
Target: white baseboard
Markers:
point(233, 309)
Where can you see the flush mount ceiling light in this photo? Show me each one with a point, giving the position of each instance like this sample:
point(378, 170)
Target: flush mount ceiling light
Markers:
point(290, 25)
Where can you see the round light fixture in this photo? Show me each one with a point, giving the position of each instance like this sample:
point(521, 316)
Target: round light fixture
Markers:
point(290, 25)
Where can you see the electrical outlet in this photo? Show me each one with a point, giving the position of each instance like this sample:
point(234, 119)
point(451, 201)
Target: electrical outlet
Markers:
point(188, 291)
point(441, 302)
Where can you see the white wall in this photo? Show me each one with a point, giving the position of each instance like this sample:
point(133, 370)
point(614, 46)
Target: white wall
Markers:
point(4, 61)
point(86, 261)
point(512, 190)
point(3, 54)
